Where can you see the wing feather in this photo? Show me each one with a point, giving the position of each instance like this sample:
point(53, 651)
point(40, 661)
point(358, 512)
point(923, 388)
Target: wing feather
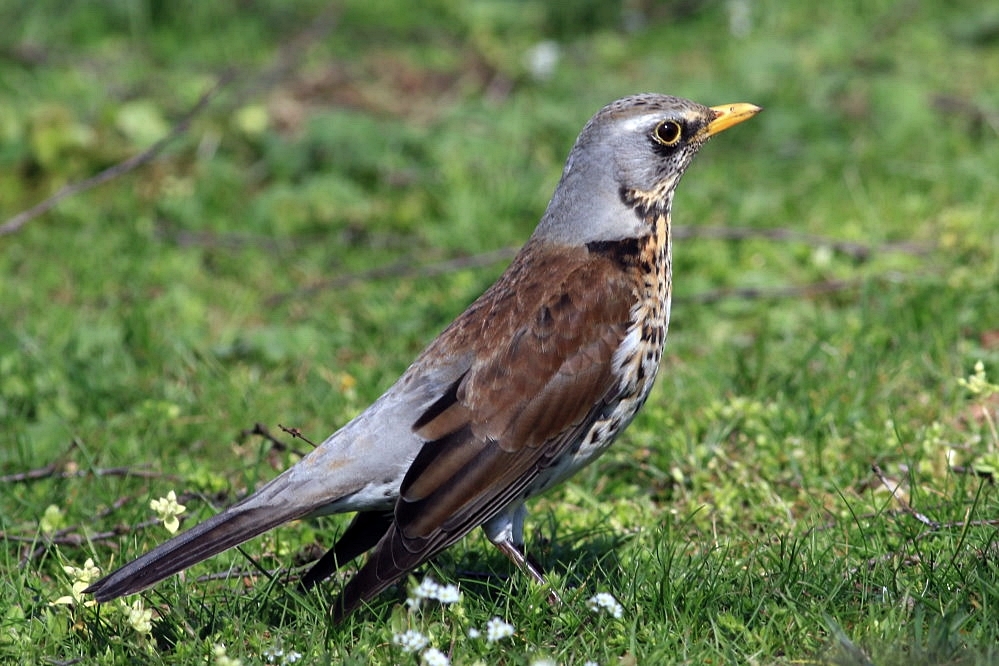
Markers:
point(520, 406)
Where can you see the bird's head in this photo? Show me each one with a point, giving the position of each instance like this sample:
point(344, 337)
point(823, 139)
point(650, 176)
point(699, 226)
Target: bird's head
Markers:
point(629, 158)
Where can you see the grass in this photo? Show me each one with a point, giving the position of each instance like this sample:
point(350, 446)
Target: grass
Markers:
point(148, 324)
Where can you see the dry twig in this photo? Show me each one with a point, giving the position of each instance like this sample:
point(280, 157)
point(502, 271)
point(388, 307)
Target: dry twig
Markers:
point(56, 471)
point(261, 430)
point(297, 434)
point(400, 269)
point(893, 489)
point(15, 223)
point(858, 251)
point(286, 60)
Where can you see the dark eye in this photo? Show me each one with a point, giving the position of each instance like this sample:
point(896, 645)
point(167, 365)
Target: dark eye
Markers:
point(667, 132)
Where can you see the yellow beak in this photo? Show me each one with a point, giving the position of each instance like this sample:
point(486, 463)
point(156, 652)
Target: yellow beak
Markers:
point(728, 115)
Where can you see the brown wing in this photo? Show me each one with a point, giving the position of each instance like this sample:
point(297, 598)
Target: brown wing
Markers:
point(543, 338)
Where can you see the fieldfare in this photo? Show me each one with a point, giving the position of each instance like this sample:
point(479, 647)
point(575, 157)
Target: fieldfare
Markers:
point(532, 382)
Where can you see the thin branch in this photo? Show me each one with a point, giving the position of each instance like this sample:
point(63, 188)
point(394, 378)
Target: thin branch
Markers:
point(297, 434)
point(762, 293)
point(967, 469)
point(289, 55)
point(977, 117)
point(893, 489)
point(259, 429)
point(236, 573)
point(400, 269)
point(857, 251)
point(61, 470)
point(77, 536)
point(934, 530)
point(292, 53)
point(872, 562)
point(15, 223)
point(117, 504)
point(54, 471)
point(985, 522)
point(796, 291)
point(76, 539)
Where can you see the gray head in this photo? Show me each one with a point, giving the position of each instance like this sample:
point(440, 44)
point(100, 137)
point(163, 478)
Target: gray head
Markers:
point(638, 146)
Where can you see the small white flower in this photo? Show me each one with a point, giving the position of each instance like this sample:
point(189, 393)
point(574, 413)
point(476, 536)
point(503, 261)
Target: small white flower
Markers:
point(410, 640)
point(474, 633)
point(434, 657)
point(542, 59)
point(427, 589)
point(222, 658)
point(448, 594)
point(497, 629)
point(430, 589)
point(547, 662)
point(978, 383)
point(277, 655)
point(591, 663)
point(81, 580)
point(604, 601)
point(141, 619)
point(52, 519)
point(168, 510)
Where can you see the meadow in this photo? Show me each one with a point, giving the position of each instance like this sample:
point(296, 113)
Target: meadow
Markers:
point(321, 188)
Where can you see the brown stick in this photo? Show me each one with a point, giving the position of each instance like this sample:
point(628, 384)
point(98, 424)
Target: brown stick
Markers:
point(297, 434)
point(284, 61)
point(53, 471)
point(402, 269)
point(932, 524)
point(858, 251)
point(112, 172)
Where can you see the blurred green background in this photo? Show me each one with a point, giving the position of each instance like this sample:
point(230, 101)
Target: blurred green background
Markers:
point(336, 204)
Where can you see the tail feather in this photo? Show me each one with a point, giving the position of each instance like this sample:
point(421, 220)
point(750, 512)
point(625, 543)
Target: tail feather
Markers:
point(386, 565)
point(362, 534)
point(366, 584)
point(221, 532)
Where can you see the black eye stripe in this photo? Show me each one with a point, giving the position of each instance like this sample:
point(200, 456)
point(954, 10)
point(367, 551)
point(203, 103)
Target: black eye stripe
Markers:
point(667, 133)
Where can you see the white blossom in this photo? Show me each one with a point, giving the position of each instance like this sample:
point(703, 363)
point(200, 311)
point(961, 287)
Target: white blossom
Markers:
point(497, 629)
point(168, 510)
point(427, 589)
point(434, 657)
point(410, 640)
point(81, 578)
point(140, 619)
point(605, 602)
point(448, 594)
point(430, 589)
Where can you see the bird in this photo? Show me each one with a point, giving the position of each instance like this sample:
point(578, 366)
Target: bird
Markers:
point(528, 385)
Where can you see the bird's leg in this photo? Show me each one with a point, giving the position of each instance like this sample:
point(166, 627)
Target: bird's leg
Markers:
point(517, 556)
point(506, 531)
point(529, 566)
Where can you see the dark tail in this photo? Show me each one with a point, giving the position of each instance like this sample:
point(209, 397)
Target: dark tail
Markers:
point(392, 558)
point(229, 528)
point(360, 536)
